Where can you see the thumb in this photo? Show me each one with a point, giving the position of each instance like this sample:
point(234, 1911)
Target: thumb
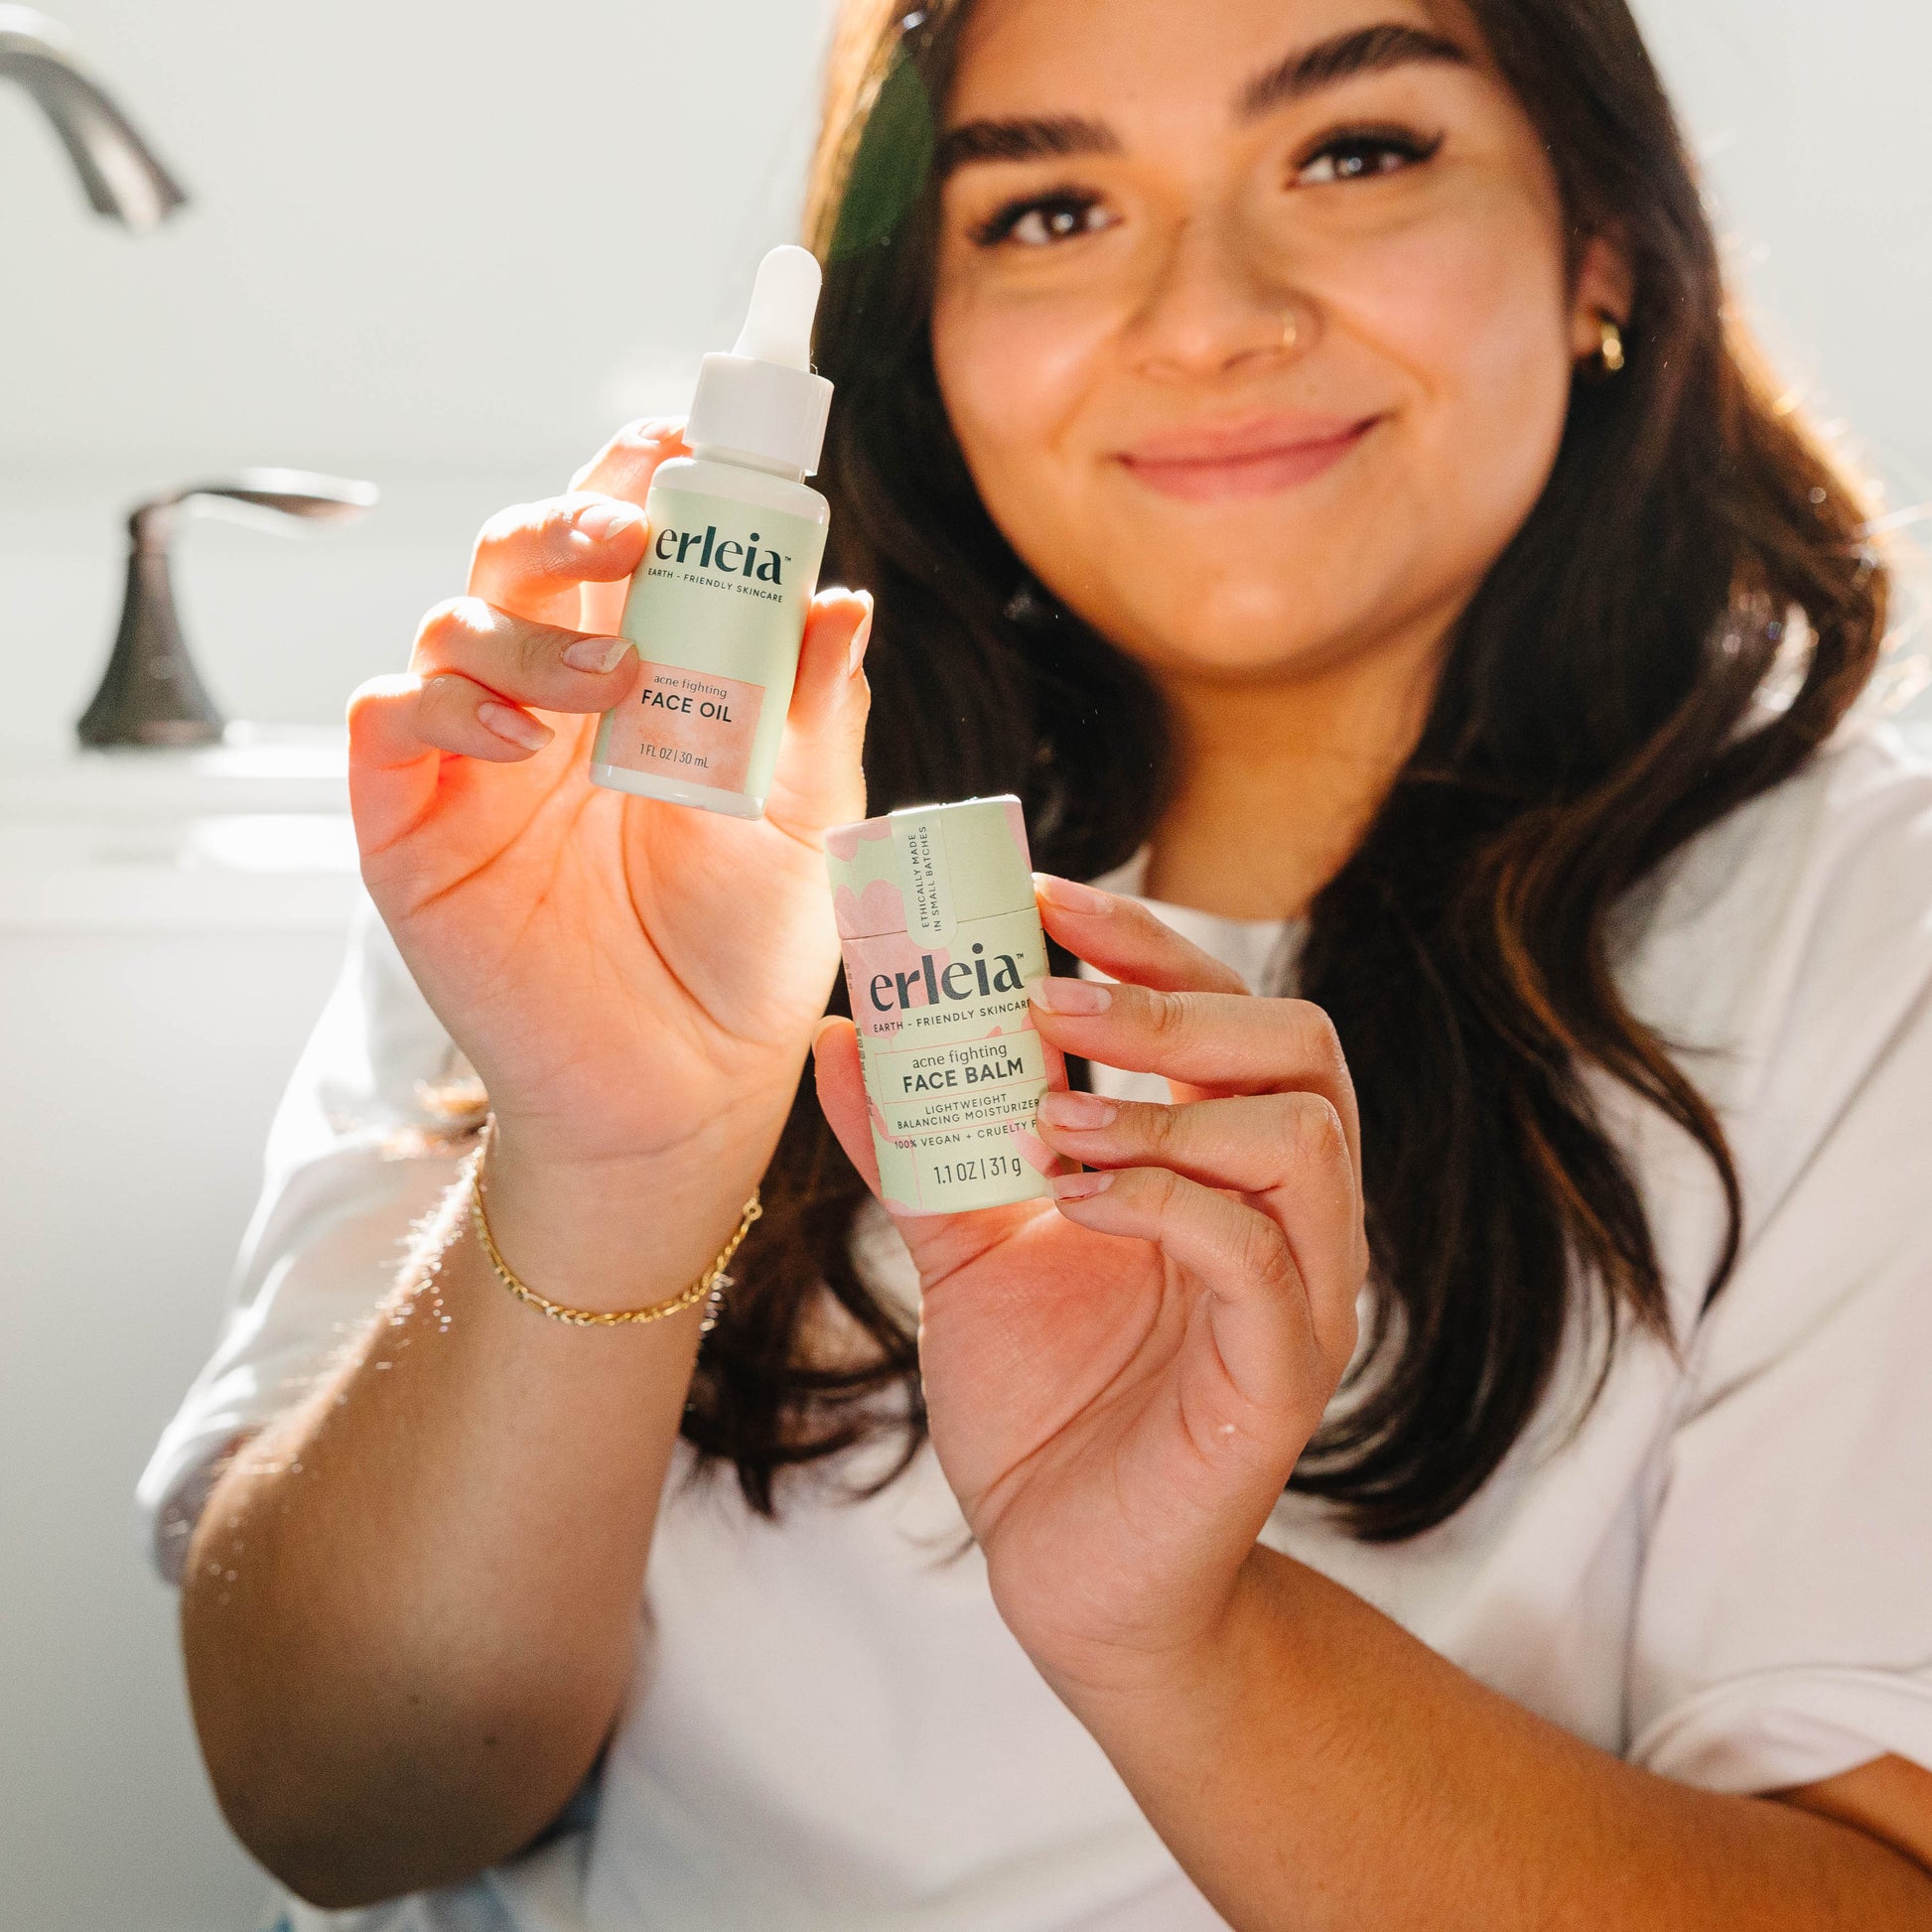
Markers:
point(842, 1095)
point(820, 777)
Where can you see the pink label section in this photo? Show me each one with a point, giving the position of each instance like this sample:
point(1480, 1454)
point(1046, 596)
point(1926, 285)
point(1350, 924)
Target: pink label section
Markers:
point(689, 725)
point(843, 841)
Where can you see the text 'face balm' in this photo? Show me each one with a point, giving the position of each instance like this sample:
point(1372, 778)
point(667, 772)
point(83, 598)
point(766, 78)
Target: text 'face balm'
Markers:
point(942, 938)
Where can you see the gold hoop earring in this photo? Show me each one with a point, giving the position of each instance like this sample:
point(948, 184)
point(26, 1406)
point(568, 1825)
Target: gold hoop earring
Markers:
point(1613, 358)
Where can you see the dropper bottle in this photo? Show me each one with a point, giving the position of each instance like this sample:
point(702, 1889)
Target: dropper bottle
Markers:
point(718, 608)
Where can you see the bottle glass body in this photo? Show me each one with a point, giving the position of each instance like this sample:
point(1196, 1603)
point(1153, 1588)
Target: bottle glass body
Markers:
point(717, 611)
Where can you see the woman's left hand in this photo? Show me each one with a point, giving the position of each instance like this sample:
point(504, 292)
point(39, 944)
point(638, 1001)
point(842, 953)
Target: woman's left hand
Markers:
point(1121, 1381)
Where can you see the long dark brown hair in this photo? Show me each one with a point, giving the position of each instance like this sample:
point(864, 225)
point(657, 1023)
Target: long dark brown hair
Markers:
point(1603, 701)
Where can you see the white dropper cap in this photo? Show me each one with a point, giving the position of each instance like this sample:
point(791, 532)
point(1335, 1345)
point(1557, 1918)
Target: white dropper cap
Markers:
point(762, 402)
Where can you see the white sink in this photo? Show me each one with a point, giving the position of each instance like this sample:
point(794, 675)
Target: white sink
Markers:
point(249, 835)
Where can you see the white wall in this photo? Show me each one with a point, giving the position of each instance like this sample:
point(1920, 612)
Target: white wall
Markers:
point(444, 247)
point(1811, 118)
point(422, 233)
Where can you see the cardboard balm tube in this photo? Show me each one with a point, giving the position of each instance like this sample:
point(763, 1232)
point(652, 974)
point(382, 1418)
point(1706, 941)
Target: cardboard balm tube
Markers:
point(942, 938)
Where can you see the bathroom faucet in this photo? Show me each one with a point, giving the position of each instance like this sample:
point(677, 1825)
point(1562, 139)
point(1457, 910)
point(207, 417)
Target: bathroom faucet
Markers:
point(122, 176)
point(151, 693)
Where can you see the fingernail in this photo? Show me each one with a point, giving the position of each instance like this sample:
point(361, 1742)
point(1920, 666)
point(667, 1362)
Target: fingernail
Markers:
point(1078, 1110)
point(513, 727)
point(861, 639)
point(1071, 995)
point(601, 521)
point(1081, 1187)
point(597, 653)
point(1071, 896)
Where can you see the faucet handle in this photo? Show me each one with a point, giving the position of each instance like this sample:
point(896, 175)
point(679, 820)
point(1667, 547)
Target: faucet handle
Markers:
point(151, 693)
point(255, 495)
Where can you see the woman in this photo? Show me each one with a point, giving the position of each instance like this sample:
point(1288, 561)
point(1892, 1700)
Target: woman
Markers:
point(1297, 446)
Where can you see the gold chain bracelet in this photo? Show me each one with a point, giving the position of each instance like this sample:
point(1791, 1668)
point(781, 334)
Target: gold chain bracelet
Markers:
point(707, 1288)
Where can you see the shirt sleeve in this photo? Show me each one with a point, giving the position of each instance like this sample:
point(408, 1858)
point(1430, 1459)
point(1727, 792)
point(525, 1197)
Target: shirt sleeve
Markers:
point(1783, 1624)
point(354, 1161)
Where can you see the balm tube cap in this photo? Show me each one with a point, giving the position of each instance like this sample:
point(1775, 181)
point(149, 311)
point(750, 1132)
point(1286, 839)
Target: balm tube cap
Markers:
point(932, 869)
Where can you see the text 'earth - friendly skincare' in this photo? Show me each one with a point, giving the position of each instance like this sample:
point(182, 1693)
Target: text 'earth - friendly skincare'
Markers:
point(718, 608)
point(942, 938)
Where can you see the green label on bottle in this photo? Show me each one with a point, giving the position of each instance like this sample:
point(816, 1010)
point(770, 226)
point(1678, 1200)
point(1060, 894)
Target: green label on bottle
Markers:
point(717, 613)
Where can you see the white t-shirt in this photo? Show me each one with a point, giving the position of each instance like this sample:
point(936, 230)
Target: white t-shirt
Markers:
point(1723, 1575)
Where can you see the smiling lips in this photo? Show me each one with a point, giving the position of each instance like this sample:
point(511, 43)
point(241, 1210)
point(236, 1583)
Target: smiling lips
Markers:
point(1252, 458)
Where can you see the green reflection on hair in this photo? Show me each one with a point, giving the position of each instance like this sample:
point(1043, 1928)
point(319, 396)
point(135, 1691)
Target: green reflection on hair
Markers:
point(894, 163)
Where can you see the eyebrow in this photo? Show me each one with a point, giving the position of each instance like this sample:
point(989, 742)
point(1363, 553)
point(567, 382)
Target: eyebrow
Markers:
point(1024, 140)
point(1368, 50)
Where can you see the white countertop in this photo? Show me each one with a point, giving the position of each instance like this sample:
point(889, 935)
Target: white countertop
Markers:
point(251, 835)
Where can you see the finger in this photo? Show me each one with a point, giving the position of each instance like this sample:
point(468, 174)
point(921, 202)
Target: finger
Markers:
point(1265, 1369)
point(842, 1096)
point(444, 714)
point(392, 772)
point(1253, 1142)
point(1213, 1042)
point(523, 663)
point(626, 464)
point(820, 779)
point(1287, 1153)
point(1125, 942)
point(625, 467)
point(400, 730)
point(531, 559)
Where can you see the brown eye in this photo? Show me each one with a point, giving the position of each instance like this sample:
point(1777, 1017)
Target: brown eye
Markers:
point(1043, 219)
point(1362, 155)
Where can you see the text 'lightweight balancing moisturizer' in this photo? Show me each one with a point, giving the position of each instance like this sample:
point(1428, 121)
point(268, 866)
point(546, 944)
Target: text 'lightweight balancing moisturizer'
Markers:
point(718, 608)
point(942, 937)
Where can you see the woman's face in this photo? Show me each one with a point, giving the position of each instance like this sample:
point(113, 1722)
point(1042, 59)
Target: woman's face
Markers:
point(1253, 317)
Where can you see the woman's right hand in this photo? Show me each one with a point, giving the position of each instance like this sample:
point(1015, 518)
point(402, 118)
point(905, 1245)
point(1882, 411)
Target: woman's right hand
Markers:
point(637, 986)
point(634, 982)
